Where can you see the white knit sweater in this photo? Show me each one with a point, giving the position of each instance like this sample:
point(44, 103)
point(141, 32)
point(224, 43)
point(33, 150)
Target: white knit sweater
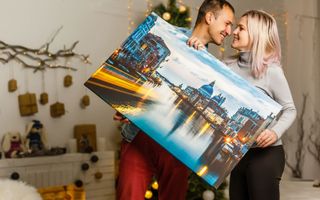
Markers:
point(274, 84)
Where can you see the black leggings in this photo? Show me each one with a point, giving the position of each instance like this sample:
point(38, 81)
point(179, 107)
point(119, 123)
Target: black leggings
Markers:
point(258, 174)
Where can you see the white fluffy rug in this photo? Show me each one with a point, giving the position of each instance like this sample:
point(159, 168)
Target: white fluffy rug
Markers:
point(16, 190)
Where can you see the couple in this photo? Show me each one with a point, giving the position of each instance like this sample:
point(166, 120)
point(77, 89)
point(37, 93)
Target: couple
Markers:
point(257, 175)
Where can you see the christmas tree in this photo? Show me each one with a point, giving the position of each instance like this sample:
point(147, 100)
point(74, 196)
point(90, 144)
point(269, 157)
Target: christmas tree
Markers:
point(177, 16)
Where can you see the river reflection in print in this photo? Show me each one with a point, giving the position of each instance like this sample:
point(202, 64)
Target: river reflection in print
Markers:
point(186, 100)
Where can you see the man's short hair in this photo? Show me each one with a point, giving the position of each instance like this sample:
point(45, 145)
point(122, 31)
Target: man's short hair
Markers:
point(212, 6)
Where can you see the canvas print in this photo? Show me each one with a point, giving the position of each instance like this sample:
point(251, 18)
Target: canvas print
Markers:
point(186, 100)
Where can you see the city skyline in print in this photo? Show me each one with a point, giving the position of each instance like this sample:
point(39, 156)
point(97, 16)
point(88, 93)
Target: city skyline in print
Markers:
point(186, 100)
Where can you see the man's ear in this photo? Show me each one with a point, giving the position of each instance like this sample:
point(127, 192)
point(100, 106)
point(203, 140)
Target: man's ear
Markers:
point(209, 17)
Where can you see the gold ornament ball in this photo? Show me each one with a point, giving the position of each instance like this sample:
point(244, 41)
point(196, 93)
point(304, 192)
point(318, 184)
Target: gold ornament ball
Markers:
point(166, 16)
point(155, 185)
point(189, 19)
point(182, 9)
point(148, 194)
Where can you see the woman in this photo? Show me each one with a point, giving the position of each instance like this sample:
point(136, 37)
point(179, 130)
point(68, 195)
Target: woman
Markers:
point(257, 175)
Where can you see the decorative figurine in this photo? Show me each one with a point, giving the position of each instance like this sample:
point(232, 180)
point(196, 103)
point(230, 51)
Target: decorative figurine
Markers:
point(36, 140)
point(12, 145)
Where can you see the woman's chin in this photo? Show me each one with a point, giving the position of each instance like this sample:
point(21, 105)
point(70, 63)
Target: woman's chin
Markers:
point(234, 46)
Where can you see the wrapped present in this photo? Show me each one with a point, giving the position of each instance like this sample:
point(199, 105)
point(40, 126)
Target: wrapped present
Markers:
point(69, 192)
point(57, 110)
point(28, 104)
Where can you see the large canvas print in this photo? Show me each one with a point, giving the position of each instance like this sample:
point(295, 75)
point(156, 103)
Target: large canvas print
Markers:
point(186, 100)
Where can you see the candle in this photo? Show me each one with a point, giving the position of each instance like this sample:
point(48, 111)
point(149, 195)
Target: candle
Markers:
point(72, 146)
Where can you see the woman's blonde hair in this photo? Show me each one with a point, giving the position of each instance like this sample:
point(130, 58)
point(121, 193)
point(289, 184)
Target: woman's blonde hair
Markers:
point(264, 41)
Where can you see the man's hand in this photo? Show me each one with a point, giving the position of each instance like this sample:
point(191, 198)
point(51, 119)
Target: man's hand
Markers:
point(119, 117)
point(266, 138)
point(195, 43)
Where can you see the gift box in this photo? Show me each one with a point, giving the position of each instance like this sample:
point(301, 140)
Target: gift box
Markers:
point(69, 192)
point(28, 104)
point(57, 110)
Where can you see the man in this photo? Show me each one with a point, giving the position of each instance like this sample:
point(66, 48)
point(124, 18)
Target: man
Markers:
point(142, 158)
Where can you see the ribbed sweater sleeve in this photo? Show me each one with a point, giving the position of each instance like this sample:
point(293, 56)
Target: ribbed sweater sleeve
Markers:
point(280, 90)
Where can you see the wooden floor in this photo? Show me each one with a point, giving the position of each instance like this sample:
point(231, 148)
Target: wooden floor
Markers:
point(299, 190)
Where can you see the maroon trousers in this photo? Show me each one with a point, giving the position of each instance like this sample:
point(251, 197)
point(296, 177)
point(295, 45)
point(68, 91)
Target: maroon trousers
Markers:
point(141, 160)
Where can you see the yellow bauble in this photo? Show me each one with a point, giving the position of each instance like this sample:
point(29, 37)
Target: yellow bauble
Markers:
point(166, 16)
point(148, 194)
point(155, 185)
point(189, 19)
point(182, 9)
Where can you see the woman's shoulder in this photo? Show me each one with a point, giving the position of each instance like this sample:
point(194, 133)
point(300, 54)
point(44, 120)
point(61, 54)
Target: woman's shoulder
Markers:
point(275, 71)
point(275, 67)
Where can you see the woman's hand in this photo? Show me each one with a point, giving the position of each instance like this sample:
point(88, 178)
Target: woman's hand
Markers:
point(119, 117)
point(266, 138)
point(195, 43)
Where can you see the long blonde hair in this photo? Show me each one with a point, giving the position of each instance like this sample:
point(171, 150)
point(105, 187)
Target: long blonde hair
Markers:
point(264, 40)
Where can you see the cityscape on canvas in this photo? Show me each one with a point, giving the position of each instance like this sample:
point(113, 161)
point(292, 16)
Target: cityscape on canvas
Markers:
point(186, 100)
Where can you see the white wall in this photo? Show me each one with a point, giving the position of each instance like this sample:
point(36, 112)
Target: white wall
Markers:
point(304, 73)
point(101, 26)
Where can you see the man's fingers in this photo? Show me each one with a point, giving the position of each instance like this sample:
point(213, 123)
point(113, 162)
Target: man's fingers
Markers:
point(125, 121)
point(117, 117)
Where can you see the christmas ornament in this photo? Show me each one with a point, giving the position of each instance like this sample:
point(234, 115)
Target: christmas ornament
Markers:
point(85, 101)
point(44, 98)
point(189, 19)
point(12, 85)
point(182, 9)
point(67, 81)
point(208, 195)
point(28, 104)
point(155, 185)
point(148, 194)
point(57, 110)
point(166, 16)
point(98, 175)
point(175, 15)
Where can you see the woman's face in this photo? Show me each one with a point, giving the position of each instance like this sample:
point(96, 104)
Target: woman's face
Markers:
point(241, 36)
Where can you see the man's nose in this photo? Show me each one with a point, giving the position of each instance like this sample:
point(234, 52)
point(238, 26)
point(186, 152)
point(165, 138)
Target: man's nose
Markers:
point(228, 30)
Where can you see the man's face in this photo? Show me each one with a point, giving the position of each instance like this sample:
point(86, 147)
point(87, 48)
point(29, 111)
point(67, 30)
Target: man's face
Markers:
point(220, 25)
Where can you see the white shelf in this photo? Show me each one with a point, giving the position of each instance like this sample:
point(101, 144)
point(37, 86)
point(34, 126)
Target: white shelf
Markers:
point(65, 169)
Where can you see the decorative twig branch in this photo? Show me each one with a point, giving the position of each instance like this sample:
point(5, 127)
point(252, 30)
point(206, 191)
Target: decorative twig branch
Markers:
point(314, 138)
point(41, 58)
point(296, 169)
